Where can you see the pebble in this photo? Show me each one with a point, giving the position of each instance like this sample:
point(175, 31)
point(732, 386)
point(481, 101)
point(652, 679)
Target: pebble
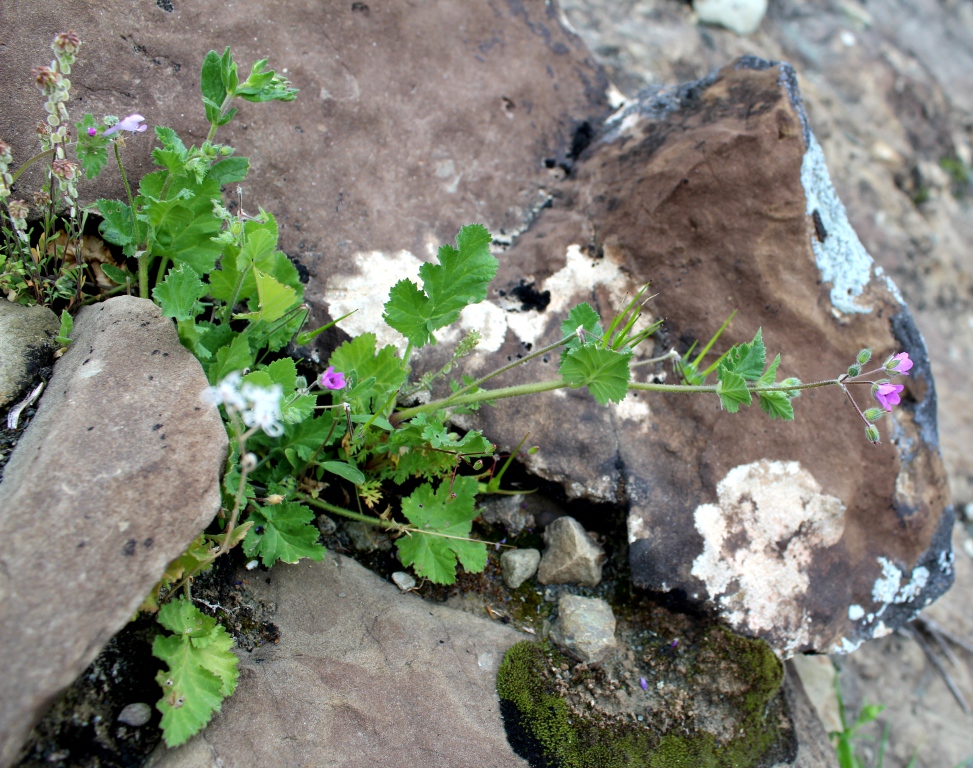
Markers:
point(968, 511)
point(968, 547)
point(404, 581)
point(585, 628)
point(136, 715)
point(571, 555)
point(518, 565)
point(740, 16)
point(326, 525)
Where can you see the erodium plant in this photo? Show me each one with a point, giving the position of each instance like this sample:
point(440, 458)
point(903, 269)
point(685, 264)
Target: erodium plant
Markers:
point(357, 431)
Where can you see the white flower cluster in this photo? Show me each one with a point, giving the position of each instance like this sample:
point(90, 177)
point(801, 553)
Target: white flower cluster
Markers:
point(257, 406)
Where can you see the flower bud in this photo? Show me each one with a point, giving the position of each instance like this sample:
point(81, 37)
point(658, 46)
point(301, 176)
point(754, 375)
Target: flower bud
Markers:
point(855, 370)
point(871, 432)
point(66, 42)
point(275, 498)
point(248, 462)
point(874, 414)
point(864, 356)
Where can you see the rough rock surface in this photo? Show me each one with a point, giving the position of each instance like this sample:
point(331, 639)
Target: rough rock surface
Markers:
point(26, 343)
point(518, 565)
point(571, 556)
point(117, 473)
point(363, 675)
point(711, 191)
point(584, 629)
point(740, 16)
point(413, 118)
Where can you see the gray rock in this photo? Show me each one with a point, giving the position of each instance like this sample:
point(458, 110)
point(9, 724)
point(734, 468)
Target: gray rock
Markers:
point(115, 476)
point(509, 511)
point(518, 565)
point(326, 525)
point(571, 555)
point(366, 538)
point(135, 715)
point(584, 628)
point(404, 581)
point(740, 16)
point(377, 679)
point(26, 344)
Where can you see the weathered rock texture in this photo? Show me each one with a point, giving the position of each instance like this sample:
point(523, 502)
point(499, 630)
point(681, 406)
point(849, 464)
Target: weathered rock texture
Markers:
point(584, 629)
point(710, 191)
point(117, 473)
point(26, 343)
point(363, 675)
point(413, 118)
point(570, 556)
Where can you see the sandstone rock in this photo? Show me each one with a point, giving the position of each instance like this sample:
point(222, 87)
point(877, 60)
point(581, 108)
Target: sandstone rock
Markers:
point(584, 629)
point(117, 473)
point(571, 555)
point(379, 678)
point(740, 16)
point(518, 565)
point(26, 343)
point(366, 538)
point(711, 191)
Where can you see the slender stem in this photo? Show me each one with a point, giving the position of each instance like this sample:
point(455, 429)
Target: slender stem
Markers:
point(105, 295)
point(857, 409)
point(144, 257)
point(369, 519)
point(223, 110)
point(163, 265)
point(504, 369)
point(670, 355)
point(648, 387)
point(479, 397)
point(28, 163)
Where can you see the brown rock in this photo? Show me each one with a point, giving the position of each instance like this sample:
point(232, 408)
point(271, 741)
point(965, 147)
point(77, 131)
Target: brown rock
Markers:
point(117, 473)
point(707, 190)
point(363, 675)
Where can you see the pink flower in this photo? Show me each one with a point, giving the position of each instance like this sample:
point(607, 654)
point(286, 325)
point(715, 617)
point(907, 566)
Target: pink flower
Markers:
point(888, 395)
point(332, 379)
point(130, 123)
point(899, 363)
point(92, 131)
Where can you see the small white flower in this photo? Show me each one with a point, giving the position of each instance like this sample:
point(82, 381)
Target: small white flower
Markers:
point(227, 393)
point(264, 409)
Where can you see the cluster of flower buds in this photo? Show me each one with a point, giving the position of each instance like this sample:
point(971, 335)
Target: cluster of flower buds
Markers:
point(884, 391)
point(257, 406)
point(6, 157)
point(66, 173)
point(52, 81)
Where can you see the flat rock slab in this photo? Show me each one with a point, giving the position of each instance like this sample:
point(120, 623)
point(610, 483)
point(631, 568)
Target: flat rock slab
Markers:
point(363, 675)
point(117, 473)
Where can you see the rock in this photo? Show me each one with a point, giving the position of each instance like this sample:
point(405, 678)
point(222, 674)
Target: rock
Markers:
point(117, 473)
point(394, 106)
point(740, 16)
point(710, 191)
point(404, 581)
point(584, 629)
point(379, 678)
point(135, 715)
point(366, 538)
point(509, 511)
point(518, 565)
point(326, 525)
point(571, 555)
point(26, 344)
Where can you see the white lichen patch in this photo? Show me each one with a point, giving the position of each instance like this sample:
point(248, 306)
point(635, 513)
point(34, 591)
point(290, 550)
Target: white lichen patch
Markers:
point(758, 543)
point(841, 257)
point(888, 588)
point(364, 291)
point(634, 409)
point(855, 612)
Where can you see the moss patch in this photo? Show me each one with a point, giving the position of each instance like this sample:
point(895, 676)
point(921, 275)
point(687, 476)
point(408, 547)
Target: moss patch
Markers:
point(564, 715)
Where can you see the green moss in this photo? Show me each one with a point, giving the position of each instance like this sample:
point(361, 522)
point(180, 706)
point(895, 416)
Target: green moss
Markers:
point(560, 739)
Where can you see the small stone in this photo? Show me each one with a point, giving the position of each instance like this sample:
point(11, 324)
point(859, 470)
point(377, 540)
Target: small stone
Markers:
point(135, 715)
point(740, 16)
point(326, 525)
point(366, 538)
point(585, 628)
point(571, 556)
point(968, 547)
point(968, 511)
point(404, 581)
point(518, 565)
